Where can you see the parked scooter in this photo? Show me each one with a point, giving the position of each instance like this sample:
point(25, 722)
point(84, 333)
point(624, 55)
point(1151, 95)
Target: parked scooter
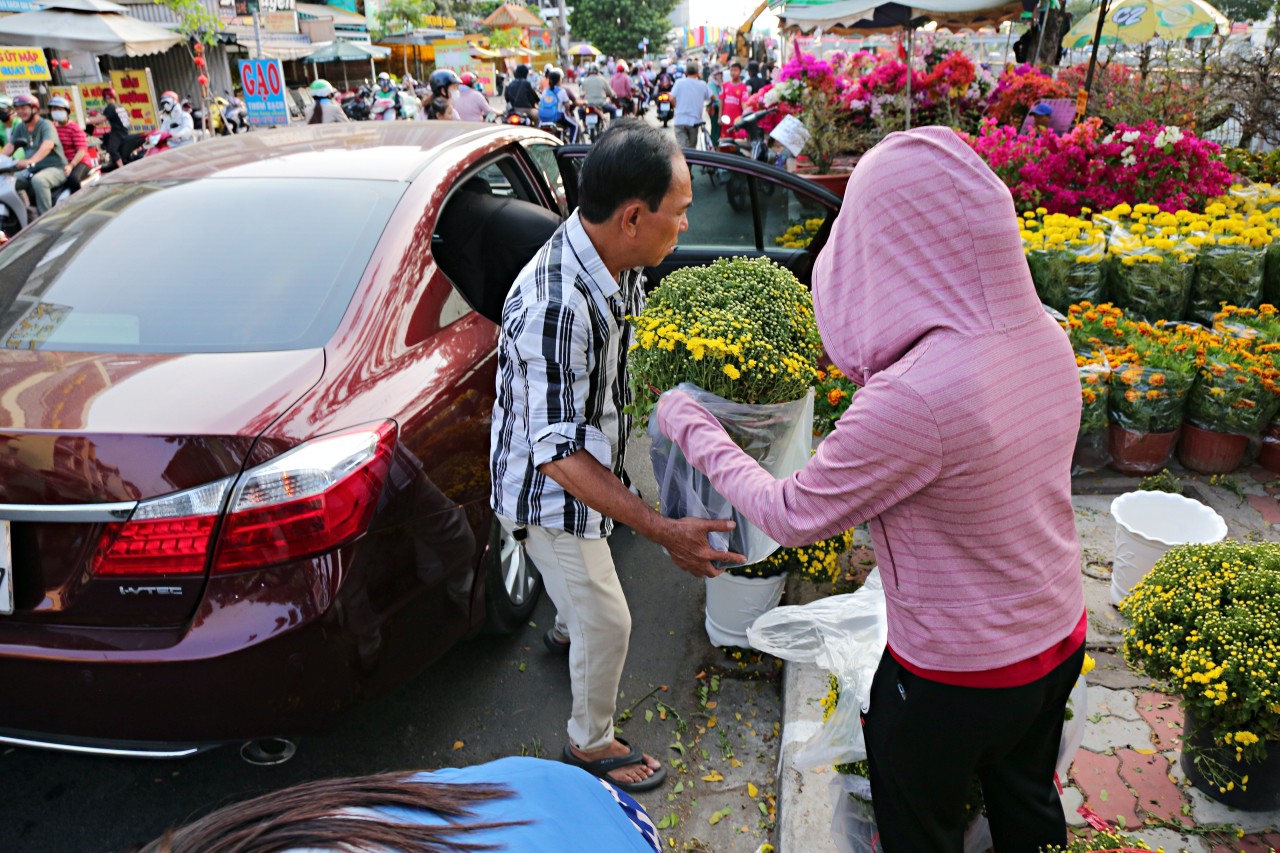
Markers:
point(755, 146)
point(665, 108)
point(13, 210)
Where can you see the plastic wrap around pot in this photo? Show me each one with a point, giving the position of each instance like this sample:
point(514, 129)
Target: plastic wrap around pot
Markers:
point(1147, 399)
point(779, 436)
point(1227, 399)
point(1069, 273)
point(1229, 274)
point(1091, 452)
point(1150, 280)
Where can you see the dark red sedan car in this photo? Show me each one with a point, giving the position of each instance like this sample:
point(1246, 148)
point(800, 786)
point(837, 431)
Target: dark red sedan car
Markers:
point(245, 397)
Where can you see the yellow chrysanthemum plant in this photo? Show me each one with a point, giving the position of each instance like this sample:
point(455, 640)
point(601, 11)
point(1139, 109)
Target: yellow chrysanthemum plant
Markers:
point(799, 234)
point(1232, 251)
point(1066, 255)
point(819, 562)
point(741, 328)
point(1153, 261)
point(1206, 623)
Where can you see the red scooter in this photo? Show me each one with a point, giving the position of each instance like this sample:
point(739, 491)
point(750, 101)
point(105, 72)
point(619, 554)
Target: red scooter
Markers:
point(157, 143)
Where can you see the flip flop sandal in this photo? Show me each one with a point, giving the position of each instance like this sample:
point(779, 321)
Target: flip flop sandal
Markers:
point(601, 768)
point(551, 641)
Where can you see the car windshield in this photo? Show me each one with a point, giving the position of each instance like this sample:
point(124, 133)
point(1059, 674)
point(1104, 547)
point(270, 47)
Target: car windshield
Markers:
point(218, 265)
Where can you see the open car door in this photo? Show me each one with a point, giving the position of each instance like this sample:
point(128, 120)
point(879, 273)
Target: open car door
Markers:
point(740, 207)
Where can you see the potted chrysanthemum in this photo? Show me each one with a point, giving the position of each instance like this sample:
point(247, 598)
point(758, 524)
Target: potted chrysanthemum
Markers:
point(739, 334)
point(1065, 255)
point(1233, 399)
point(1206, 622)
point(1231, 256)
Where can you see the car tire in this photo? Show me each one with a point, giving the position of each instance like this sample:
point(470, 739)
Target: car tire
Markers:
point(512, 583)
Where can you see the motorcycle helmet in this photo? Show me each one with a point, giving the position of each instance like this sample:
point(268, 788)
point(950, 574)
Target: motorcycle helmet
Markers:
point(168, 100)
point(26, 101)
point(322, 89)
point(441, 80)
point(57, 102)
point(468, 79)
point(384, 80)
point(622, 66)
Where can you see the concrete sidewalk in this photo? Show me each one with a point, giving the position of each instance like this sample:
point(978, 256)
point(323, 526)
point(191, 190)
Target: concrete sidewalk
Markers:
point(1127, 768)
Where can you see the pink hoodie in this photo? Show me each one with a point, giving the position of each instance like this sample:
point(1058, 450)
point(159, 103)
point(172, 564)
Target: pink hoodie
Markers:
point(958, 448)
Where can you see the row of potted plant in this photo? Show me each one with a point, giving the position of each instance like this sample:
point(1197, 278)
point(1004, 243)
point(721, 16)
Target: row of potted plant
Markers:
point(1158, 264)
point(1146, 387)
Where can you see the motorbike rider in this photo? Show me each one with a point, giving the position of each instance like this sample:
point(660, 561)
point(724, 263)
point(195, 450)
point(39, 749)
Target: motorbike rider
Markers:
point(521, 97)
point(665, 81)
point(444, 84)
point(45, 161)
point(8, 121)
point(324, 110)
point(120, 142)
point(175, 121)
point(75, 146)
point(470, 103)
point(556, 106)
point(597, 91)
point(387, 92)
point(620, 83)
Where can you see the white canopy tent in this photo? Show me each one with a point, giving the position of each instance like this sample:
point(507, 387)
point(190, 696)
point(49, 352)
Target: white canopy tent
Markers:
point(92, 26)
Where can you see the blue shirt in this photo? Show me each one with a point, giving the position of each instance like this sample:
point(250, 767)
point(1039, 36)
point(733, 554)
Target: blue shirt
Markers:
point(567, 809)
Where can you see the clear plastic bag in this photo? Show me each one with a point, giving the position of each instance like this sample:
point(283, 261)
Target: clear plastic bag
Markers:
point(1150, 282)
point(853, 820)
point(779, 436)
point(1230, 274)
point(845, 635)
point(1068, 273)
point(1091, 452)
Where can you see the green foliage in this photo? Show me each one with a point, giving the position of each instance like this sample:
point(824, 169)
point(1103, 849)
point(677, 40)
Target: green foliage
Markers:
point(398, 16)
point(500, 38)
point(1245, 10)
point(194, 20)
point(1165, 481)
point(617, 26)
point(1099, 841)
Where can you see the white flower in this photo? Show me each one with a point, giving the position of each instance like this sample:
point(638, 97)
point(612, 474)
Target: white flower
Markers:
point(1108, 139)
point(1131, 136)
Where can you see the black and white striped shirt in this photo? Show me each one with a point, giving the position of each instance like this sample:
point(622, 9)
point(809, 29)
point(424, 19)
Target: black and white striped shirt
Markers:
point(562, 380)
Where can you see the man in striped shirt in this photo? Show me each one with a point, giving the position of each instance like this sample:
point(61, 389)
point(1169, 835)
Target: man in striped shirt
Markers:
point(560, 433)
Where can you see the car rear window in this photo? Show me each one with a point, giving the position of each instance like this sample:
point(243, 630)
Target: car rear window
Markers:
point(221, 265)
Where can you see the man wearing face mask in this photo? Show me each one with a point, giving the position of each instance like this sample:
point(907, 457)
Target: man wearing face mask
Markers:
point(8, 121)
point(44, 161)
point(75, 147)
point(175, 121)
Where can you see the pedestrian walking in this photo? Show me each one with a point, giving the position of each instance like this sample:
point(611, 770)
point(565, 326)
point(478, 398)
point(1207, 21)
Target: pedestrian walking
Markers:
point(560, 426)
point(44, 160)
point(923, 298)
point(691, 96)
point(529, 805)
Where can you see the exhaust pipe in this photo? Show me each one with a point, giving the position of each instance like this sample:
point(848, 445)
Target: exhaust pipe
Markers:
point(269, 751)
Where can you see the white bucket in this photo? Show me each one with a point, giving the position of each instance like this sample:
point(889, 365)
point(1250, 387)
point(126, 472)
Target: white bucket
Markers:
point(1150, 523)
point(733, 603)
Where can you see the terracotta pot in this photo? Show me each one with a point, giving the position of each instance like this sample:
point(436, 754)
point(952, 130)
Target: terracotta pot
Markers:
point(1141, 453)
point(1269, 453)
point(1207, 452)
point(836, 181)
point(1260, 795)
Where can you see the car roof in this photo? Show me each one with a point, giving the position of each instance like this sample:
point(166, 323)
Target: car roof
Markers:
point(374, 150)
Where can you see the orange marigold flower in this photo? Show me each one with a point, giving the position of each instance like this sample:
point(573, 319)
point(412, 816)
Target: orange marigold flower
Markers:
point(1153, 394)
point(1157, 379)
point(834, 396)
point(1132, 396)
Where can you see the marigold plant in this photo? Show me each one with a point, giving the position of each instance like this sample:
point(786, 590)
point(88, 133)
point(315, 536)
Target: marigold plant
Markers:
point(741, 328)
point(834, 394)
point(1206, 622)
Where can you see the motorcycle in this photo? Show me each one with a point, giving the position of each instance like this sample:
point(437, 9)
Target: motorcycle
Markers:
point(381, 105)
point(157, 143)
point(755, 146)
point(13, 209)
point(95, 173)
point(228, 116)
point(517, 118)
point(665, 108)
point(356, 105)
point(593, 122)
point(552, 128)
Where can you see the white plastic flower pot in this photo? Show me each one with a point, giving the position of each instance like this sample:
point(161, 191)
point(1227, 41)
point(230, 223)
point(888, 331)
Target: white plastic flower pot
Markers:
point(733, 603)
point(1150, 523)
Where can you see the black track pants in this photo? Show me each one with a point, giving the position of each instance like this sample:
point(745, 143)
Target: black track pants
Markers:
point(926, 740)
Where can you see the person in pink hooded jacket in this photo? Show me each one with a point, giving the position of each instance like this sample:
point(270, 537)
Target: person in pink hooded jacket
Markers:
point(957, 453)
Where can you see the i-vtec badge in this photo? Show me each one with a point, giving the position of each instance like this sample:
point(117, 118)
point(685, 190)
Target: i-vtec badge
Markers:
point(151, 590)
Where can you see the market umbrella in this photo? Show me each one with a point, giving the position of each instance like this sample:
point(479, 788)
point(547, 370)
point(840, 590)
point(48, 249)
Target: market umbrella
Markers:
point(583, 48)
point(1139, 21)
point(91, 26)
point(347, 51)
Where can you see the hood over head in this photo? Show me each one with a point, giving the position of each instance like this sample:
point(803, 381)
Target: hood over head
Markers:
point(927, 239)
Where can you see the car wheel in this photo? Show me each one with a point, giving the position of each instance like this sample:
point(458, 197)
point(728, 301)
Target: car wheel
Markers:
point(512, 583)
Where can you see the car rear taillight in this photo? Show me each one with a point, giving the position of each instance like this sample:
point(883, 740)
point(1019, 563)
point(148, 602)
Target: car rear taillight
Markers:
point(165, 536)
point(317, 496)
